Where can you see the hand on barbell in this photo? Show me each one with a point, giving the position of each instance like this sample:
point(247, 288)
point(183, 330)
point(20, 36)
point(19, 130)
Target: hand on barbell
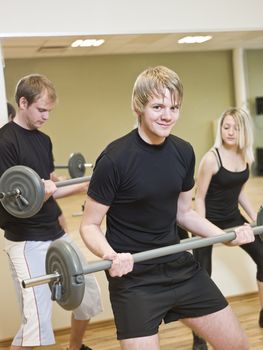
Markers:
point(54, 177)
point(244, 235)
point(23, 192)
point(122, 263)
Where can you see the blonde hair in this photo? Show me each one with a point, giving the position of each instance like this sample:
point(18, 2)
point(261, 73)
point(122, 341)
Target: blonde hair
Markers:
point(245, 135)
point(153, 82)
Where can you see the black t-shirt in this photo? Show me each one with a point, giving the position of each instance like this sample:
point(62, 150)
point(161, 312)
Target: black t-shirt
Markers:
point(141, 184)
point(32, 148)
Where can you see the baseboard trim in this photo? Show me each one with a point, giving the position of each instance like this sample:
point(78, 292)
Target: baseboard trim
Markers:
point(110, 322)
point(92, 326)
point(62, 331)
point(234, 298)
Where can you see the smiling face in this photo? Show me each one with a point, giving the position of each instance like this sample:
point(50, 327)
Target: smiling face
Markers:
point(156, 100)
point(158, 118)
point(230, 131)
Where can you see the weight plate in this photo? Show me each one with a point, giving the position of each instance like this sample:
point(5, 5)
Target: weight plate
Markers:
point(31, 187)
point(76, 165)
point(62, 258)
point(260, 219)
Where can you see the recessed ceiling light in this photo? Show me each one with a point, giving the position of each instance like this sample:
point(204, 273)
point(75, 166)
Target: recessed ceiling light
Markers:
point(87, 42)
point(194, 39)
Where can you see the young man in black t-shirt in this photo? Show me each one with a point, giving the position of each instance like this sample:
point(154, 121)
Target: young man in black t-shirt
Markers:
point(27, 239)
point(143, 183)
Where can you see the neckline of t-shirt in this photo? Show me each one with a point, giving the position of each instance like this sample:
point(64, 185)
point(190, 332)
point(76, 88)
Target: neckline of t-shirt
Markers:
point(147, 146)
point(24, 129)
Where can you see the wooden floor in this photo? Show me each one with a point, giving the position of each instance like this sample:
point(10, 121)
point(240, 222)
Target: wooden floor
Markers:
point(174, 336)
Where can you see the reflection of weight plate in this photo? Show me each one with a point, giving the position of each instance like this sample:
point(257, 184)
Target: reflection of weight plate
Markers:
point(76, 165)
point(260, 220)
point(30, 186)
point(62, 258)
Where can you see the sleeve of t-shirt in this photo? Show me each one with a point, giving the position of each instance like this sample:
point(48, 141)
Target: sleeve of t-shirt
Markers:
point(189, 181)
point(105, 181)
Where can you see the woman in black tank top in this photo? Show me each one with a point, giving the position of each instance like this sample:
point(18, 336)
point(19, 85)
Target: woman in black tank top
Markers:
point(222, 174)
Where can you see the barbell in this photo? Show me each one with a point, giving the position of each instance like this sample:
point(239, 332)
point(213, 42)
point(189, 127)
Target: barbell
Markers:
point(76, 165)
point(65, 273)
point(22, 192)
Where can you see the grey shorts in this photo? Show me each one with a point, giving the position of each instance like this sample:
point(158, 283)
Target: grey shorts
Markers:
point(27, 260)
point(167, 292)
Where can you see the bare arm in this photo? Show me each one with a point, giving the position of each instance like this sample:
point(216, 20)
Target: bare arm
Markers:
point(68, 190)
point(207, 168)
point(71, 189)
point(193, 222)
point(90, 228)
point(94, 238)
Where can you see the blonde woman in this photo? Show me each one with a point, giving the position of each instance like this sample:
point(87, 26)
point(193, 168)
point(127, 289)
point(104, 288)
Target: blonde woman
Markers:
point(222, 174)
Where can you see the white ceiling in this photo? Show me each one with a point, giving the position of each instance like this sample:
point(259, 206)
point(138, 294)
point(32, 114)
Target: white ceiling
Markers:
point(34, 47)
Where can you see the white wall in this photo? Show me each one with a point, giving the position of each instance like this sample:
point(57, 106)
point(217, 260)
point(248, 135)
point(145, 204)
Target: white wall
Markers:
point(233, 271)
point(24, 18)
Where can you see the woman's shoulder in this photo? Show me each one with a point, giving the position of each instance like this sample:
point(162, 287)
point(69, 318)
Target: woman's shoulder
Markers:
point(210, 160)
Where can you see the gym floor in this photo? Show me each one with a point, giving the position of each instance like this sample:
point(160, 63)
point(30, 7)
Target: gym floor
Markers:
point(101, 335)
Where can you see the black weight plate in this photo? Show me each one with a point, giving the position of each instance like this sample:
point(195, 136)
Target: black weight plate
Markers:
point(76, 165)
point(62, 258)
point(30, 186)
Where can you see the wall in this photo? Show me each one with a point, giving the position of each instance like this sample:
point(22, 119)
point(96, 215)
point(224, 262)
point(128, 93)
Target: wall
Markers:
point(95, 92)
point(254, 59)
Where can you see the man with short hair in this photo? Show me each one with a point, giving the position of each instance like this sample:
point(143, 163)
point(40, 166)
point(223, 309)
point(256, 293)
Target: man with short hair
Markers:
point(143, 183)
point(27, 239)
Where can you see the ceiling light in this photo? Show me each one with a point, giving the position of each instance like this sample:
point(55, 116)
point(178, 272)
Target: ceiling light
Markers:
point(87, 43)
point(194, 39)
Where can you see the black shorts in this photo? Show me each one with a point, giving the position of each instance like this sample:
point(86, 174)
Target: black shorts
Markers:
point(167, 292)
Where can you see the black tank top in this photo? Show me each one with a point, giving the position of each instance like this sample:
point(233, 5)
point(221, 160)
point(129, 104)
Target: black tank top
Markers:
point(222, 196)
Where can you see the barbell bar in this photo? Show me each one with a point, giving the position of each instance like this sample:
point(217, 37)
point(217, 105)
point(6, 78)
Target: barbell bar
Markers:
point(22, 192)
point(65, 273)
point(76, 165)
